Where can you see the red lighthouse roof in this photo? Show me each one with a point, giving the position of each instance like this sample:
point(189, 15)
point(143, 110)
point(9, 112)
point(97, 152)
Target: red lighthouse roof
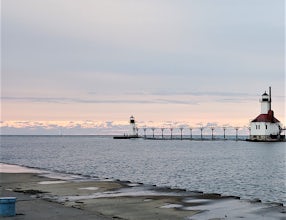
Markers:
point(266, 118)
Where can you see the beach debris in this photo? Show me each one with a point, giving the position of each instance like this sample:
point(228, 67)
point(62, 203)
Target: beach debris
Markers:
point(29, 191)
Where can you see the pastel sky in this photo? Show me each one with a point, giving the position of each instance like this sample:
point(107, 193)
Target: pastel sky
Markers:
point(85, 66)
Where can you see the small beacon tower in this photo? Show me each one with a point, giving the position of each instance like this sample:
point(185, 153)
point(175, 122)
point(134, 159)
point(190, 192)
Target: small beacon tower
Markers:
point(133, 129)
point(265, 127)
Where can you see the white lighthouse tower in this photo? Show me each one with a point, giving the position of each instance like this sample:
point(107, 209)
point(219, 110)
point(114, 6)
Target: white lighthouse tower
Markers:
point(133, 129)
point(265, 127)
point(265, 102)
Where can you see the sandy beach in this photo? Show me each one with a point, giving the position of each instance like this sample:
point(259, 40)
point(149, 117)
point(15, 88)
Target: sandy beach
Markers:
point(47, 195)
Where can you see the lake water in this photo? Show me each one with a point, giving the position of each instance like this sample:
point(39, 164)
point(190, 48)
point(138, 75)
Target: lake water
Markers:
point(239, 168)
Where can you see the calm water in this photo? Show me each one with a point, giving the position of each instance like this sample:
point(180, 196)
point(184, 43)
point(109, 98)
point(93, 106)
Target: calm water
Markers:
point(245, 169)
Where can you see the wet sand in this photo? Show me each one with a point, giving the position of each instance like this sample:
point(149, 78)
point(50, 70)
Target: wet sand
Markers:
point(47, 195)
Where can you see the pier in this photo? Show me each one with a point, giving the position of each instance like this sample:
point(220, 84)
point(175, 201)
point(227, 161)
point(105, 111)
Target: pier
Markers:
point(263, 128)
point(194, 133)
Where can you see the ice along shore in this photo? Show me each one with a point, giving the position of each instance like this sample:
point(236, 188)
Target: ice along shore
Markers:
point(45, 195)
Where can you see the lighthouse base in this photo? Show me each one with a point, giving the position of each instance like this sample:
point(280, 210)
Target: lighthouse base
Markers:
point(266, 138)
point(126, 137)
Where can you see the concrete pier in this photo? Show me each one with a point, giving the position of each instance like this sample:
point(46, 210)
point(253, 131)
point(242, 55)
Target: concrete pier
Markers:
point(195, 133)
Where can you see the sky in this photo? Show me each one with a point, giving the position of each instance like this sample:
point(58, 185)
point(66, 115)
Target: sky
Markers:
point(86, 66)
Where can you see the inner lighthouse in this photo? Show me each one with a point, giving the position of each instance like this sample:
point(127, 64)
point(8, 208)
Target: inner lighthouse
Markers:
point(265, 127)
point(266, 102)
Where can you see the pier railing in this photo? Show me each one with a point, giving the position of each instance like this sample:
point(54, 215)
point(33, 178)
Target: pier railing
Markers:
point(194, 133)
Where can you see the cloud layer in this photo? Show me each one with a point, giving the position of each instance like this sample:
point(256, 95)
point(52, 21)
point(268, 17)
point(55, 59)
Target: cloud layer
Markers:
point(110, 128)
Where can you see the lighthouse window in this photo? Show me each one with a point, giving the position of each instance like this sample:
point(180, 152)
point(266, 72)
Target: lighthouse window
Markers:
point(266, 126)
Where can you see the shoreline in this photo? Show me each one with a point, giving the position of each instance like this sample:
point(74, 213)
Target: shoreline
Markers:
point(54, 174)
point(110, 199)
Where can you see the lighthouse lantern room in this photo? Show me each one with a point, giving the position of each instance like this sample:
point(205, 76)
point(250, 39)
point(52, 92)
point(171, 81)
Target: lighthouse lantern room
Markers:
point(265, 127)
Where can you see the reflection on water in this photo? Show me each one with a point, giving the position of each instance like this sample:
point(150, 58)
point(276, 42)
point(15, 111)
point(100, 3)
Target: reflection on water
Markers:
point(245, 169)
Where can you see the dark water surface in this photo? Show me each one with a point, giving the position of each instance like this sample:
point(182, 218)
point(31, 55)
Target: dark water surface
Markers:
point(246, 169)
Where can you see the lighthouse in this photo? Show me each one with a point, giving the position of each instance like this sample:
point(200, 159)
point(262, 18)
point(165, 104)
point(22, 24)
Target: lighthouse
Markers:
point(132, 132)
point(265, 127)
point(132, 129)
